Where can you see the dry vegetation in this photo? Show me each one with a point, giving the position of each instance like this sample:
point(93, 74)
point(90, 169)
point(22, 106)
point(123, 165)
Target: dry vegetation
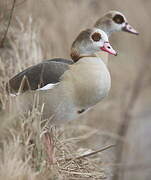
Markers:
point(44, 29)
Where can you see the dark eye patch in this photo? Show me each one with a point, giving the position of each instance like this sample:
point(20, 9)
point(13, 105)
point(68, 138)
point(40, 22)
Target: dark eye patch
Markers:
point(96, 36)
point(118, 19)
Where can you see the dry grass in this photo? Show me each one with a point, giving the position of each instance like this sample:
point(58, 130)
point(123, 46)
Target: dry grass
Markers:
point(45, 29)
point(23, 154)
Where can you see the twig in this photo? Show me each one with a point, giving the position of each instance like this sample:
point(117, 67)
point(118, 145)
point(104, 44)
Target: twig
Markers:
point(10, 18)
point(92, 153)
point(20, 3)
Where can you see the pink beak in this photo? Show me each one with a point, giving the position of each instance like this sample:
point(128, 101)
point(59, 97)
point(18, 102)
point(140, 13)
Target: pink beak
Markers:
point(108, 48)
point(130, 29)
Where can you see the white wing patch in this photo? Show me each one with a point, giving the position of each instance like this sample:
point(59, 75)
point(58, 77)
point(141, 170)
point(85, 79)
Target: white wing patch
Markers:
point(14, 95)
point(48, 86)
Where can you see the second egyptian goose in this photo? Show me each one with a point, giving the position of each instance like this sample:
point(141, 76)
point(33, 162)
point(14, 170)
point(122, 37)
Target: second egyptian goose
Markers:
point(113, 21)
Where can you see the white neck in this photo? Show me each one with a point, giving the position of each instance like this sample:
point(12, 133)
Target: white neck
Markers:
point(91, 59)
point(104, 56)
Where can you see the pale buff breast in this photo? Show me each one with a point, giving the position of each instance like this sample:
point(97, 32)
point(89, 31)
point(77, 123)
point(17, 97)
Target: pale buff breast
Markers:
point(104, 56)
point(91, 82)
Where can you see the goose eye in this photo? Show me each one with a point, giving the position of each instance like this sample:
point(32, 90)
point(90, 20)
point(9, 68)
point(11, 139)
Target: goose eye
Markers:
point(118, 19)
point(96, 36)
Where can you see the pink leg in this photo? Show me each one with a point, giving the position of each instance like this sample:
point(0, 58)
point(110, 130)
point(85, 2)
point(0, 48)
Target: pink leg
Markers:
point(48, 140)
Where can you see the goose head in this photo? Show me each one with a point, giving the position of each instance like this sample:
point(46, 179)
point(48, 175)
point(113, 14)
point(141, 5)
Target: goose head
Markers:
point(89, 42)
point(114, 21)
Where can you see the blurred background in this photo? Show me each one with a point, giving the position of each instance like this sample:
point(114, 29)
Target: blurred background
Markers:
point(43, 30)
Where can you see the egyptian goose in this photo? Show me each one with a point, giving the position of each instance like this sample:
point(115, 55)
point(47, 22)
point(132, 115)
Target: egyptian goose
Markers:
point(83, 85)
point(50, 71)
point(114, 21)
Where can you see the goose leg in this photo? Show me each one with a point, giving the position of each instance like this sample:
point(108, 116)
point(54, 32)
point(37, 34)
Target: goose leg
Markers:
point(49, 145)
